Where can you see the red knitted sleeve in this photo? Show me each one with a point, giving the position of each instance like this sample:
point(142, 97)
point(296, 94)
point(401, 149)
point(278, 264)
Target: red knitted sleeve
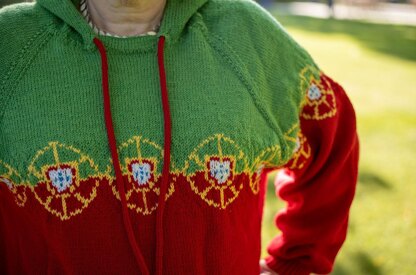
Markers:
point(318, 183)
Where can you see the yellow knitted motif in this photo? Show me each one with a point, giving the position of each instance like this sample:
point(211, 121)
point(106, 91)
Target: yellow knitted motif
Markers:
point(263, 160)
point(65, 181)
point(142, 174)
point(319, 100)
point(19, 189)
point(301, 154)
point(48, 194)
point(220, 187)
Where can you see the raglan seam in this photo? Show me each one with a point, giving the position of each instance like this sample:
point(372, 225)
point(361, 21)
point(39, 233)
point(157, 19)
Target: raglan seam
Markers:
point(232, 58)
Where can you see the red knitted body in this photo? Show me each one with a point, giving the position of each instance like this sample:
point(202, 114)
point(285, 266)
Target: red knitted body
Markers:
point(198, 239)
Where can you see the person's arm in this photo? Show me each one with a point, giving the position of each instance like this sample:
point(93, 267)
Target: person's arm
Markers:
point(318, 184)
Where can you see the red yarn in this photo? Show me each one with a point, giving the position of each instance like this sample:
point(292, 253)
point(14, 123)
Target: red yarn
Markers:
point(116, 164)
point(166, 158)
point(114, 156)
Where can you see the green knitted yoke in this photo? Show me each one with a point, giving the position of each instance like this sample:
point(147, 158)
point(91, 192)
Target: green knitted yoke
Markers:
point(233, 76)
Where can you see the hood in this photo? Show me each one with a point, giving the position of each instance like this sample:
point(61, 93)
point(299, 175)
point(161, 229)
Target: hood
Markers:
point(177, 13)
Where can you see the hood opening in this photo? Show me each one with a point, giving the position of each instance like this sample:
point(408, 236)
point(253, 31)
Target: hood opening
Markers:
point(116, 164)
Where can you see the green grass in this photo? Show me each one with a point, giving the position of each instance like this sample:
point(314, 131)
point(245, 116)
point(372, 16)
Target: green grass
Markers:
point(376, 64)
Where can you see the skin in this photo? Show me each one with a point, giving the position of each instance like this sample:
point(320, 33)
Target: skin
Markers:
point(126, 17)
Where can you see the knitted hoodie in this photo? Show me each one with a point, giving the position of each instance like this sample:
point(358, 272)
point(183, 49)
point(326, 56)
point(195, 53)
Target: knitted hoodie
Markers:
point(149, 155)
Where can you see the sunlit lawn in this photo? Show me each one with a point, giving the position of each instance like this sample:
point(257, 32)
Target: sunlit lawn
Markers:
point(376, 64)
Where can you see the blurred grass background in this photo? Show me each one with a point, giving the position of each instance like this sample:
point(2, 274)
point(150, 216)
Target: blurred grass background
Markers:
point(376, 64)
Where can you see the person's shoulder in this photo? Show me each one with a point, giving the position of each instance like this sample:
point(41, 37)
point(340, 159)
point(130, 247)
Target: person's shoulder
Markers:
point(16, 9)
point(252, 33)
point(246, 13)
point(244, 22)
point(247, 7)
point(21, 19)
point(22, 26)
point(15, 15)
point(240, 15)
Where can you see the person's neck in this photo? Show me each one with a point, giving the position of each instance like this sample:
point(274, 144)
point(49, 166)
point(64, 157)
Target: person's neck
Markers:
point(126, 17)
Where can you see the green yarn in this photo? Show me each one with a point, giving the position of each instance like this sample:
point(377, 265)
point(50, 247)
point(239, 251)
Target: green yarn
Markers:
point(232, 70)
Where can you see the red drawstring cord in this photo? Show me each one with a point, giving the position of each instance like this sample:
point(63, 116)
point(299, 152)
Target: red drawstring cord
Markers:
point(116, 164)
point(166, 157)
point(114, 156)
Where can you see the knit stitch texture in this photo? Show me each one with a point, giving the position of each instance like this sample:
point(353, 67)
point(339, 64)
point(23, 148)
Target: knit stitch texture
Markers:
point(245, 99)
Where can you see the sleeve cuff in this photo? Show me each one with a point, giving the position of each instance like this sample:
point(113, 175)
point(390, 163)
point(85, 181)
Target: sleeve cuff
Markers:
point(287, 267)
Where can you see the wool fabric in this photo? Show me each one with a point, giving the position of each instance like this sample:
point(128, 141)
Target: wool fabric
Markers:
point(150, 154)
